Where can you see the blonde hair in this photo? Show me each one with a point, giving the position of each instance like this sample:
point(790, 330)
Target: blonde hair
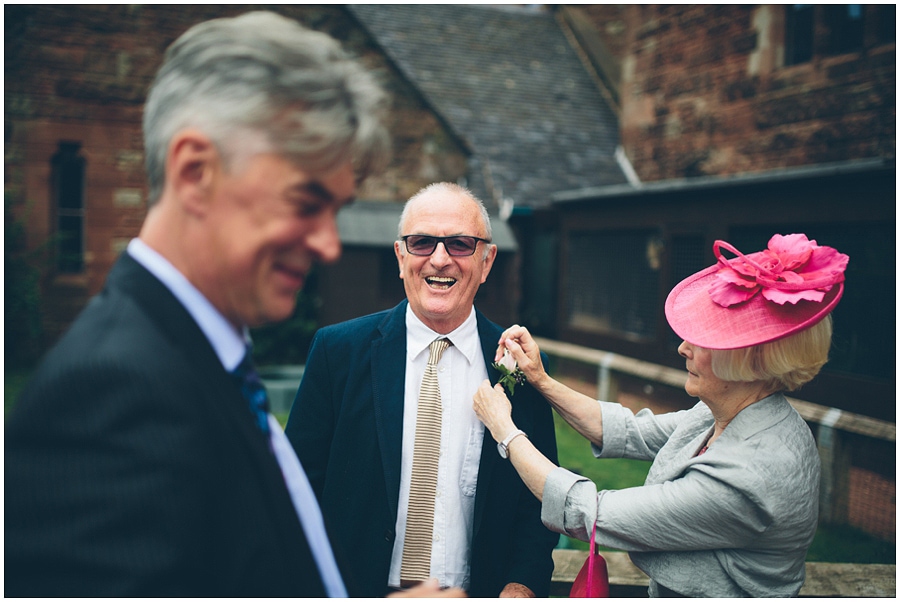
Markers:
point(784, 365)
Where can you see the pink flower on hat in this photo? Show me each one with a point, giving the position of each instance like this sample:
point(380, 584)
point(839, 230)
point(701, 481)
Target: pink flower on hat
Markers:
point(791, 269)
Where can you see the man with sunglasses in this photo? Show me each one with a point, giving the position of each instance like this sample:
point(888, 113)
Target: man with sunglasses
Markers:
point(354, 421)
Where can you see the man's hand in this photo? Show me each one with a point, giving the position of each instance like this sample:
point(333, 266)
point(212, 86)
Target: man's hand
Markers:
point(431, 589)
point(516, 590)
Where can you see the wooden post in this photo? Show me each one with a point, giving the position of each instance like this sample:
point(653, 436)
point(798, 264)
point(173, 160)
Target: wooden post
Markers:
point(834, 487)
point(607, 382)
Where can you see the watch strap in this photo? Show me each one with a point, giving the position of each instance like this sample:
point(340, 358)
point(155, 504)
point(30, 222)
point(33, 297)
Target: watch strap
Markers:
point(503, 446)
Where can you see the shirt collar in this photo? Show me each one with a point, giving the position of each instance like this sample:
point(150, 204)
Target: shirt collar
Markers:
point(464, 338)
point(229, 344)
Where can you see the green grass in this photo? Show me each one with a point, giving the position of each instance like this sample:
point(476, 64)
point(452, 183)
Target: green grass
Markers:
point(842, 543)
point(831, 543)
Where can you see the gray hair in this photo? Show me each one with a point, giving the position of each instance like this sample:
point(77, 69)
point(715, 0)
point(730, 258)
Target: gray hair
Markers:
point(449, 188)
point(260, 83)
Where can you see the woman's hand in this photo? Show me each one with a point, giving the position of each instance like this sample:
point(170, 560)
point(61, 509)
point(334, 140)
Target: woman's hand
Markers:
point(580, 411)
point(494, 410)
point(524, 350)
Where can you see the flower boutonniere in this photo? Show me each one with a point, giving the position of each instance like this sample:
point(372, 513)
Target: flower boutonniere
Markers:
point(511, 374)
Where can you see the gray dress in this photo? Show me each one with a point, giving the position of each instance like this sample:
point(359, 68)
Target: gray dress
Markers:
point(735, 521)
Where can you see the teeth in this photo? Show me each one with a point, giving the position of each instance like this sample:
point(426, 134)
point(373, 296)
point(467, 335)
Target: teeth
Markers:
point(442, 282)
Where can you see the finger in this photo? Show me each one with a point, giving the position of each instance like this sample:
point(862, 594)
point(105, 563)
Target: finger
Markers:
point(516, 350)
point(512, 332)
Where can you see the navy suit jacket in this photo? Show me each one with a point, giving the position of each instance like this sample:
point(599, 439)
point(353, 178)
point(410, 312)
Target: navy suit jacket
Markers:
point(346, 425)
point(133, 466)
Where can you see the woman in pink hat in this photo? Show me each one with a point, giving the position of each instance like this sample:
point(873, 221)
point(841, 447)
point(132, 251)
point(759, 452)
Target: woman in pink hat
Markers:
point(730, 504)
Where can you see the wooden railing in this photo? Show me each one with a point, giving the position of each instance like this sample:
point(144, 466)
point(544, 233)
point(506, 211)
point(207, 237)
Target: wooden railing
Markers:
point(823, 579)
point(830, 423)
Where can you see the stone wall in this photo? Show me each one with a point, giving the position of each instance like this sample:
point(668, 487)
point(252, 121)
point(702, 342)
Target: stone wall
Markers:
point(80, 74)
point(705, 92)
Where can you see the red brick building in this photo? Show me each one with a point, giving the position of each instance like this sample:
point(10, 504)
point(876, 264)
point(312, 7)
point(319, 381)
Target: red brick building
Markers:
point(75, 82)
point(729, 89)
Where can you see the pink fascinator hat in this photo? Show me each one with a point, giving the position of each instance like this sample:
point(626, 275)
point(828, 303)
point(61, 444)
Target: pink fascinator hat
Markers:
point(757, 298)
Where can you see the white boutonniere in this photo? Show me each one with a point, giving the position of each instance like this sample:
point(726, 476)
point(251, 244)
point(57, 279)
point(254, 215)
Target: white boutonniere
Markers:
point(511, 374)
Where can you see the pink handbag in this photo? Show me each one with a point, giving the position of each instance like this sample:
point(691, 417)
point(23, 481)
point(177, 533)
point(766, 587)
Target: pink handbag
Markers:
point(593, 579)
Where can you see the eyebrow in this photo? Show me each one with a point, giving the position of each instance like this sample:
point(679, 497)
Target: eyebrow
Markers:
point(319, 191)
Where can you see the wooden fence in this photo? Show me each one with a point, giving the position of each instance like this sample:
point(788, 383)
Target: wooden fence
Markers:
point(830, 424)
point(823, 579)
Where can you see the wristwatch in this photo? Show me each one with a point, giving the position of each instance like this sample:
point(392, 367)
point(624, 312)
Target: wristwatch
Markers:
point(503, 446)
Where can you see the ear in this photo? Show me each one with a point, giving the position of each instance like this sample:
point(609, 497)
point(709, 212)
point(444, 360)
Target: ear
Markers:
point(489, 262)
point(399, 253)
point(192, 165)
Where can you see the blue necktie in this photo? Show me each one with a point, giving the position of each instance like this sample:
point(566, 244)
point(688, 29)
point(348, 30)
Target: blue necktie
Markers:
point(253, 391)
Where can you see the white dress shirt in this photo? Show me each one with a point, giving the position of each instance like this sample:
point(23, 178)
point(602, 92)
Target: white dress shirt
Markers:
point(230, 347)
point(460, 371)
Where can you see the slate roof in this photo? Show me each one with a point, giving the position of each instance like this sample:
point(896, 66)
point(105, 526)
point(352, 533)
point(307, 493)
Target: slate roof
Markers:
point(509, 83)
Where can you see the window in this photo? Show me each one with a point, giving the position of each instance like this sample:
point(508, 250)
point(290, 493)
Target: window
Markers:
point(690, 254)
point(798, 45)
point(613, 283)
point(843, 28)
point(833, 29)
point(67, 186)
point(886, 23)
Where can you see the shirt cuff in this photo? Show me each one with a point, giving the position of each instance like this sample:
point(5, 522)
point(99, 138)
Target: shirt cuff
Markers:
point(615, 431)
point(569, 504)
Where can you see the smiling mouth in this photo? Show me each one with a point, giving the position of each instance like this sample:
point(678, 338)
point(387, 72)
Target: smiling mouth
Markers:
point(297, 274)
point(439, 282)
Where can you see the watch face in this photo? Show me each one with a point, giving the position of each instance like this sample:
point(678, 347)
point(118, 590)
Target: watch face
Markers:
point(502, 449)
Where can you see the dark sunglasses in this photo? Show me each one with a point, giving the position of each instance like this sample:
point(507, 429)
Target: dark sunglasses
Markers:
point(457, 246)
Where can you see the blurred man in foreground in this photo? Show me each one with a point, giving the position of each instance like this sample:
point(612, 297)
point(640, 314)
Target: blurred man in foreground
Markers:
point(141, 459)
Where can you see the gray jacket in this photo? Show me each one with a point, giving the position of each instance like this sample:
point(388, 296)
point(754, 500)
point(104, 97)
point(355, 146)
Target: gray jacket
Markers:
point(735, 521)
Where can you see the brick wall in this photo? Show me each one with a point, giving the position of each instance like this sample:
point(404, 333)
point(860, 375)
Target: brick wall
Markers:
point(705, 92)
point(80, 74)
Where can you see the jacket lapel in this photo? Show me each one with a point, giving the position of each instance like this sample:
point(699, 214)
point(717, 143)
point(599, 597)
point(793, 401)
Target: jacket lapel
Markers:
point(172, 319)
point(388, 384)
point(489, 334)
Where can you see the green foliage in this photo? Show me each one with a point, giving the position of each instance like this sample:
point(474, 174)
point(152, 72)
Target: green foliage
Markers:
point(288, 342)
point(22, 320)
point(13, 383)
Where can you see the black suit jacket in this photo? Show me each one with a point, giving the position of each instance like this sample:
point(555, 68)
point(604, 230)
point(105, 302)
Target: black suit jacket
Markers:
point(133, 466)
point(346, 425)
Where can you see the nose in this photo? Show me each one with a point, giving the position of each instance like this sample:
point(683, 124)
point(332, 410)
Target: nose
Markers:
point(324, 240)
point(440, 257)
point(685, 350)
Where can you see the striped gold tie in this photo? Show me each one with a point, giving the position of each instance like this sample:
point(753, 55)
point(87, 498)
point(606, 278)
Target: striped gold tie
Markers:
point(416, 563)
